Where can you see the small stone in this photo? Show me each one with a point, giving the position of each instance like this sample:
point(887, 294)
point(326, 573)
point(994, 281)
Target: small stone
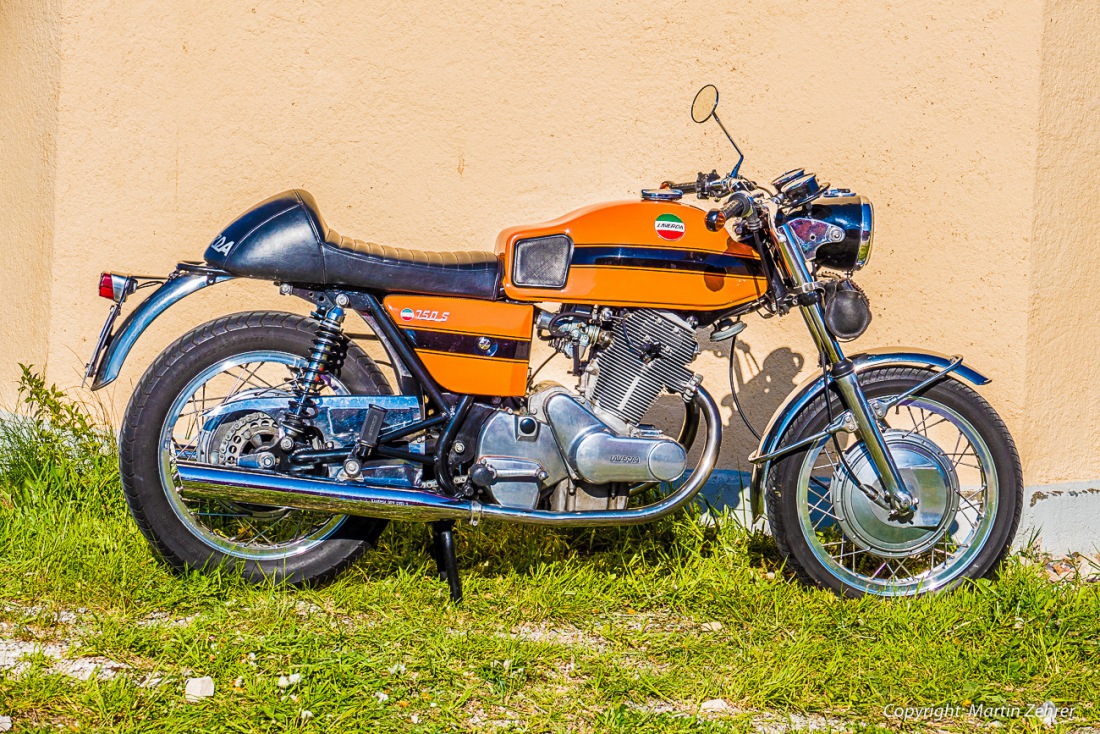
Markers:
point(199, 688)
point(306, 714)
point(238, 682)
point(287, 681)
point(382, 697)
point(770, 575)
point(711, 626)
point(415, 719)
point(1047, 714)
point(714, 705)
point(5, 723)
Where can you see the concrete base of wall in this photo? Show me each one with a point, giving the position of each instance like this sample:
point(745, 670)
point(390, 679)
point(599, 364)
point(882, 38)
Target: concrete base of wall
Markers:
point(1063, 518)
point(1060, 518)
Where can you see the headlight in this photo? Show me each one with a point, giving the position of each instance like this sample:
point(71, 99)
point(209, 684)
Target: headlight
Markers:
point(851, 214)
point(866, 234)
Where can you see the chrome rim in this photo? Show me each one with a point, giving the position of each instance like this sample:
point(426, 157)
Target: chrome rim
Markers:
point(947, 459)
point(249, 532)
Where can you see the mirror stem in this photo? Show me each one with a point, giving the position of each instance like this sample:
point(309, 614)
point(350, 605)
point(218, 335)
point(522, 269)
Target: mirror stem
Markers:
point(741, 156)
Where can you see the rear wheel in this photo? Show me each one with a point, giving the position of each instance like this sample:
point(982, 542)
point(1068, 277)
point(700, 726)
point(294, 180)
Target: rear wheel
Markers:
point(956, 457)
point(236, 356)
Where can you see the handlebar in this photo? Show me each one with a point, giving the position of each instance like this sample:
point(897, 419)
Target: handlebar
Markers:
point(687, 188)
point(739, 205)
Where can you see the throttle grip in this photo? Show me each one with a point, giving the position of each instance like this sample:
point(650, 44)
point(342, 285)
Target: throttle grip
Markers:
point(738, 206)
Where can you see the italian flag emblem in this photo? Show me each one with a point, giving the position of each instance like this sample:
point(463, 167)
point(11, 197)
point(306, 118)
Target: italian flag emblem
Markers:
point(669, 227)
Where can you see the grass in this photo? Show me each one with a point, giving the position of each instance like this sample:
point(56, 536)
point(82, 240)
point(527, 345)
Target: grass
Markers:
point(560, 631)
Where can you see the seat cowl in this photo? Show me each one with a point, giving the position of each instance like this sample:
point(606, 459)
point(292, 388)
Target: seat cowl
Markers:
point(284, 238)
point(279, 238)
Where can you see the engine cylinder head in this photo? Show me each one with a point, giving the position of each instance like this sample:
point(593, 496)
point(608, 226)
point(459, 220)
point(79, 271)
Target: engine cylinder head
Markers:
point(649, 352)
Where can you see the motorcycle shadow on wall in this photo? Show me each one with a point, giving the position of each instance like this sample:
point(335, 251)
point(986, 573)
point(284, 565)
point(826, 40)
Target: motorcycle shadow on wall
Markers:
point(762, 385)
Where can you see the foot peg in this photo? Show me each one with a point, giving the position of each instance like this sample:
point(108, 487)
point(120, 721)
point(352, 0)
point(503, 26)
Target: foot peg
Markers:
point(368, 439)
point(443, 550)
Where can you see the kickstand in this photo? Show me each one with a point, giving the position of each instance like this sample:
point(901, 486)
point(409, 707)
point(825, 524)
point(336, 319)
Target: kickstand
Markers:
point(443, 550)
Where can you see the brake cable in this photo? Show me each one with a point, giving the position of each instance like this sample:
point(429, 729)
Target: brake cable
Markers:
point(734, 390)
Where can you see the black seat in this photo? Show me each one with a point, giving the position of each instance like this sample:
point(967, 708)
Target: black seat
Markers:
point(285, 239)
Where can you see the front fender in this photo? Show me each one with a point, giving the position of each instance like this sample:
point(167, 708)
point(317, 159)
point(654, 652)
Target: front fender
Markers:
point(811, 388)
point(178, 286)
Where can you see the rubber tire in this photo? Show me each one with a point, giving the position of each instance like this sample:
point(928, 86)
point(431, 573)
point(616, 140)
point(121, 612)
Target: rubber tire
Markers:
point(783, 508)
point(139, 453)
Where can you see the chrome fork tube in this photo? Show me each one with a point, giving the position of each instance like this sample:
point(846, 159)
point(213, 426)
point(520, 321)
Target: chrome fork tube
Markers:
point(844, 375)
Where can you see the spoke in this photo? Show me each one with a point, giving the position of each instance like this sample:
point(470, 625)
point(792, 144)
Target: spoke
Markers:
point(924, 422)
point(240, 378)
point(972, 506)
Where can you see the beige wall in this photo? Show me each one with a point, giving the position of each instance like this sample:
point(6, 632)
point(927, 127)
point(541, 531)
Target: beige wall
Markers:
point(437, 124)
point(1063, 372)
point(29, 65)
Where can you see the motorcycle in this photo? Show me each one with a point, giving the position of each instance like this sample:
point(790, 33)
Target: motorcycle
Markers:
point(275, 445)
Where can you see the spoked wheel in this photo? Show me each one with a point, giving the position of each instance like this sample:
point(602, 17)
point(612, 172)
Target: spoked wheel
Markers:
point(214, 366)
point(956, 457)
point(240, 530)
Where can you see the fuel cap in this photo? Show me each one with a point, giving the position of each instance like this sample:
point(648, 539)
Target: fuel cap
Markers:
point(662, 194)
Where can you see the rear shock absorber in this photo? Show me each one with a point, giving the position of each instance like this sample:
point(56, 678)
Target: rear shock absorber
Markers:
point(330, 348)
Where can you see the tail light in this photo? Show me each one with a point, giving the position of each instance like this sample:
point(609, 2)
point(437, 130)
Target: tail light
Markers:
point(116, 287)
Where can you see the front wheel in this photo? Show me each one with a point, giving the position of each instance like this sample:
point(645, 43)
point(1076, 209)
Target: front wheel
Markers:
point(958, 460)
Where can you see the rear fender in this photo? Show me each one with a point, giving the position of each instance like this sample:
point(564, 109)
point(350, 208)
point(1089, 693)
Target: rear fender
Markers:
point(181, 283)
point(811, 388)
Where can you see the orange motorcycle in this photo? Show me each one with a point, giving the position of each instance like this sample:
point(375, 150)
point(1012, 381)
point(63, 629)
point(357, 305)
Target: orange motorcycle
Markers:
point(273, 444)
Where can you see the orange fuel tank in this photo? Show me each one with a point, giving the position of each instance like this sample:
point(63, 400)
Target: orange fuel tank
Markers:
point(470, 347)
point(656, 254)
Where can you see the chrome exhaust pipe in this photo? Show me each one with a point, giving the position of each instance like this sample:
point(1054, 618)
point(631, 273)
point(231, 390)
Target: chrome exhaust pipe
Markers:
point(359, 498)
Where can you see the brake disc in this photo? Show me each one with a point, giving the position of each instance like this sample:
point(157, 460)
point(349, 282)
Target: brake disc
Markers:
point(930, 477)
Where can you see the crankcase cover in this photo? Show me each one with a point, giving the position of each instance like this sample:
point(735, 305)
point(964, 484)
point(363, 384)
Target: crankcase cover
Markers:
point(508, 442)
point(599, 456)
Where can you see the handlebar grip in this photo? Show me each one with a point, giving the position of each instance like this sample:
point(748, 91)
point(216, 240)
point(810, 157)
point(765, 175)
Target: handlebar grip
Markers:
point(687, 188)
point(738, 206)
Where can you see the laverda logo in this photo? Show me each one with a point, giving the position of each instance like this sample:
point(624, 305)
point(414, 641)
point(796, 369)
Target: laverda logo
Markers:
point(624, 459)
point(407, 314)
point(222, 246)
point(669, 227)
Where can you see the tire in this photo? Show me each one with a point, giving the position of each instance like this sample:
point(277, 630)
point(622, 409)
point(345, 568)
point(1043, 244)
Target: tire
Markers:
point(181, 543)
point(796, 499)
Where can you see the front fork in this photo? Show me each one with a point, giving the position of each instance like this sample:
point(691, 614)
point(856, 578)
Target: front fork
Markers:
point(843, 374)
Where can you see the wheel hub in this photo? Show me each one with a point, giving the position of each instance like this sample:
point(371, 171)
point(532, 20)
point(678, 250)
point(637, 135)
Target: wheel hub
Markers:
point(928, 475)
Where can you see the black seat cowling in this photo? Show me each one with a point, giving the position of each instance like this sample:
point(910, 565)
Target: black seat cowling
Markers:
point(284, 238)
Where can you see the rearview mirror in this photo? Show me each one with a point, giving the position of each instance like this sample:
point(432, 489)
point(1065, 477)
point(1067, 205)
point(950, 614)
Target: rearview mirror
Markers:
point(704, 104)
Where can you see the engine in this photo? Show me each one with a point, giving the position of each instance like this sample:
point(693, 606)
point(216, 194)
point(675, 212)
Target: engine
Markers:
point(649, 352)
point(583, 452)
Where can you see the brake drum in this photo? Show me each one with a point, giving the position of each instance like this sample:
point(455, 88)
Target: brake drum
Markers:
point(929, 476)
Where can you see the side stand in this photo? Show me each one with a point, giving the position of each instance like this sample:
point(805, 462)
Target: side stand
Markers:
point(443, 550)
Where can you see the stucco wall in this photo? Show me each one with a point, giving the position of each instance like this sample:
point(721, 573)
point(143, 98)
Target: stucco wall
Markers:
point(1063, 371)
point(436, 125)
point(29, 64)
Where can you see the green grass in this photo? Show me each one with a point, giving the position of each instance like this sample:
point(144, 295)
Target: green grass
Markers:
point(560, 631)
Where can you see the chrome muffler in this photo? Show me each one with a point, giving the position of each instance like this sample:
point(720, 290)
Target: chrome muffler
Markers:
point(360, 498)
